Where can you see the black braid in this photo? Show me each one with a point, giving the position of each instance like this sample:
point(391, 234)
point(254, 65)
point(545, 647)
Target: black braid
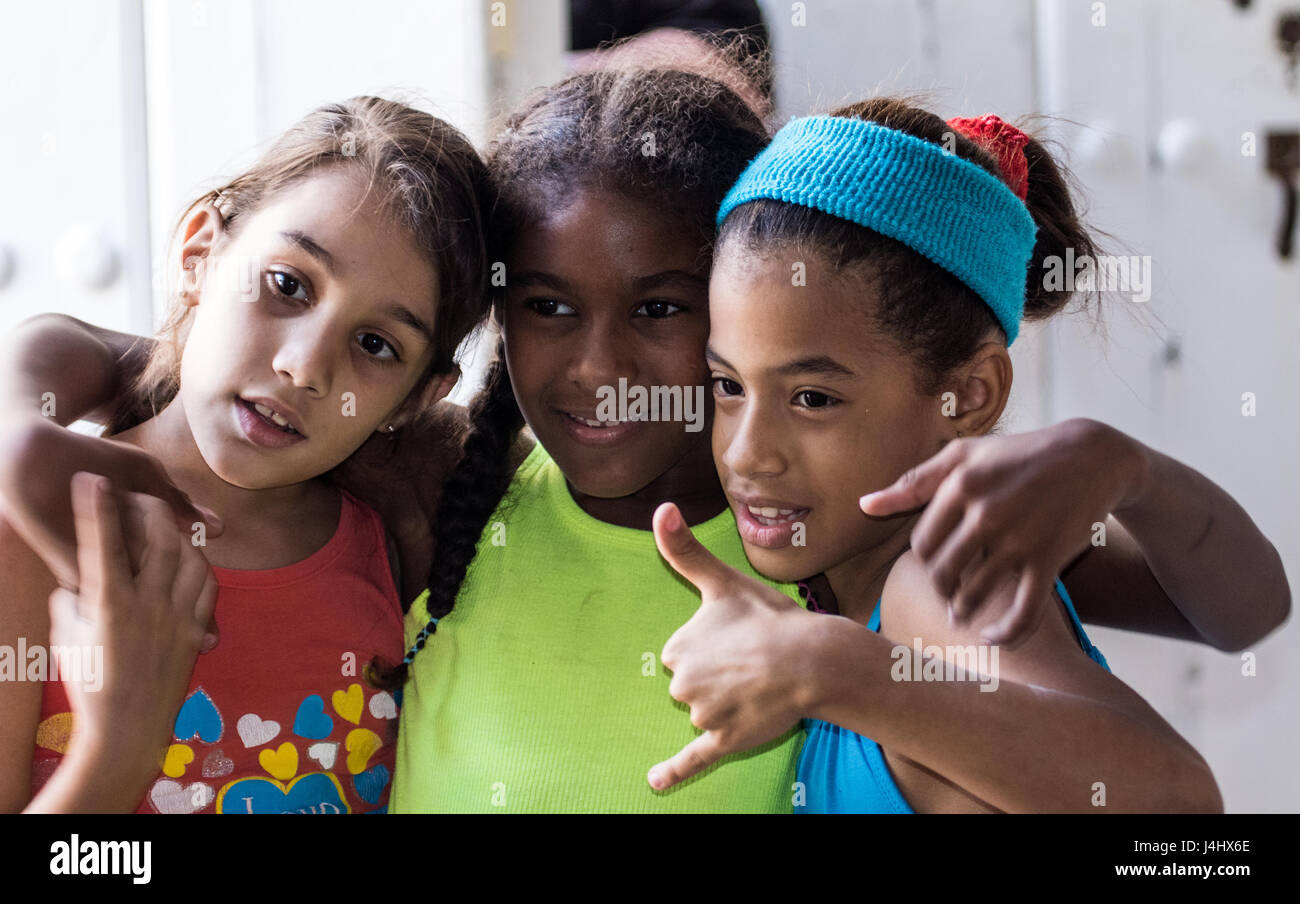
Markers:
point(469, 497)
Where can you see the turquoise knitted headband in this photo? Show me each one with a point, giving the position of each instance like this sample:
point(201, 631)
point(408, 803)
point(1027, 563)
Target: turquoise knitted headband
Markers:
point(950, 210)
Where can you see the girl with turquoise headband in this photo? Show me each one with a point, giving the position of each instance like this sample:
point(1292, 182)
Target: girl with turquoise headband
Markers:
point(869, 264)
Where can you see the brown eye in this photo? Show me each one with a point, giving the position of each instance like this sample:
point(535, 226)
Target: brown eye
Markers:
point(374, 345)
point(725, 387)
point(287, 284)
point(549, 307)
point(813, 399)
point(658, 310)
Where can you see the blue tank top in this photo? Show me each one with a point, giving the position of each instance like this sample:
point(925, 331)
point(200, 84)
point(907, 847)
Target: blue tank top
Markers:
point(841, 771)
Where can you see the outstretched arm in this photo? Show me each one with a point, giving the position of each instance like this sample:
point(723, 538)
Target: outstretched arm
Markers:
point(64, 370)
point(1180, 557)
point(750, 663)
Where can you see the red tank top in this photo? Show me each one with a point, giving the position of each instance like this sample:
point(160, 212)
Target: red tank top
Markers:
point(278, 718)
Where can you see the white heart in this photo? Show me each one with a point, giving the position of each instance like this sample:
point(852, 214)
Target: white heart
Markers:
point(254, 732)
point(173, 797)
point(383, 706)
point(324, 753)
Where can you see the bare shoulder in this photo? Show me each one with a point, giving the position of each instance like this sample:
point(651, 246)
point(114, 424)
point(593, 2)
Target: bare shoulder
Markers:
point(1050, 656)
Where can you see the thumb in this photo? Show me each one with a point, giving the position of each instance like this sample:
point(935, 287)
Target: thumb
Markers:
point(917, 485)
point(695, 757)
point(687, 555)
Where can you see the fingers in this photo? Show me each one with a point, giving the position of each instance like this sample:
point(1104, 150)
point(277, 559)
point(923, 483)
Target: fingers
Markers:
point(212, 636)
point(952, 559)
point(101, 551)
point(939, 519)
point(686, 555)
point(144, 474)
point(917, 486)
point(160, 558)
point(192, 573)
point(695, 757)
point(204, 612)
point(1030, 602)
point(978, 583)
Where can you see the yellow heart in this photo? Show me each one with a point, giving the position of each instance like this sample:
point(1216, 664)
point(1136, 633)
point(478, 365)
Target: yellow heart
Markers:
point(54, 732)
point(178, 757)
point(361, 744)
point(348, 704)
point(282, 763)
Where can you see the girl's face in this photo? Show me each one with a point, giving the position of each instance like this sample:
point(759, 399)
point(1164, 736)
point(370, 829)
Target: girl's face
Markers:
point(812, 410)
point(317, 308)
point(605, 288)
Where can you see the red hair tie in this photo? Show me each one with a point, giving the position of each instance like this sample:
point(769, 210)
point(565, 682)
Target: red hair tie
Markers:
point(1005, 142)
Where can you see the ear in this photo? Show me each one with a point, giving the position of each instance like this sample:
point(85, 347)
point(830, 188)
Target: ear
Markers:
point(199, 233)
point(982, 387)
point(434, 392)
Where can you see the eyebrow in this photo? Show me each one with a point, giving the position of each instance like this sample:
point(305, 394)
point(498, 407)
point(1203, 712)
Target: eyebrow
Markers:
point(814, 364)
point(669, 277)
point(682, 278)
point(407, 317)
point(311, 246)
point(539, 278)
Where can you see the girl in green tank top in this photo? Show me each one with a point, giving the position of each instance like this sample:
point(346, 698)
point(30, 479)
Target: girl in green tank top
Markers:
point(534, 683)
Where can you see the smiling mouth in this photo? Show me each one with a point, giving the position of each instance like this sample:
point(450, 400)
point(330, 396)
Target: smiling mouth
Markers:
point(770, 516)
point(274, 419)
point(590, 423)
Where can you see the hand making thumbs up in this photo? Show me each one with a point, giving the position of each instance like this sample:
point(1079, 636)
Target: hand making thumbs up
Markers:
point(744, 662)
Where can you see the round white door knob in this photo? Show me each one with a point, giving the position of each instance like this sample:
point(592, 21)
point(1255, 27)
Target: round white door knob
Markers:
point(1184, 147)
point(85, 259)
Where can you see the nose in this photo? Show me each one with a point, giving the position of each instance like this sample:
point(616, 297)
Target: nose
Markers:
point(598, 359)
point(750, 441)
point(305, 357)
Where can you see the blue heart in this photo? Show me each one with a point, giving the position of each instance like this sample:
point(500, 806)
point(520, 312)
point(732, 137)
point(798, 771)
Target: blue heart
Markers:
point(312, 721)
point(371, 783)
point(198, 716)
point(397, 697)
point(318, 793)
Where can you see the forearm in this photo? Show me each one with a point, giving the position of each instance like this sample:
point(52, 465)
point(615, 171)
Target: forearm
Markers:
point(68, 370)
point(1019, 748)
point(1215, 565)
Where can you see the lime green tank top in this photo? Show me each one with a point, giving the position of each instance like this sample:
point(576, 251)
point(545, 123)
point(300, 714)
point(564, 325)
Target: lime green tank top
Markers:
point(542, 691)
